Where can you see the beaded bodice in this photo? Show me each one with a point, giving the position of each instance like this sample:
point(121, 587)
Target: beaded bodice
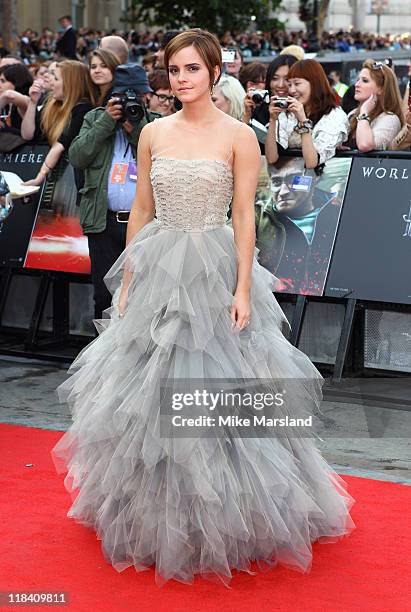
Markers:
point(191, 195)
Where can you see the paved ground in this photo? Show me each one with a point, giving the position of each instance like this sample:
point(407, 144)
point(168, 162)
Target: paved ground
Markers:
point(28, 398)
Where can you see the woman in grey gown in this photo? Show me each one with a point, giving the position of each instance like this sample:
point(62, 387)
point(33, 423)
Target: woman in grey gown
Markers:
point(190, 301)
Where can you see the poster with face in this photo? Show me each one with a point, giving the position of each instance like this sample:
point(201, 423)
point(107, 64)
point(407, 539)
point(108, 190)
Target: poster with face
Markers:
point(297, 215)
point(58, 242)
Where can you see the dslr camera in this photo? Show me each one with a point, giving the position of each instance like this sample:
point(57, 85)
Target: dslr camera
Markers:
point(259, 96)
point(281, 102)
point(132, 107)
point(130, 83)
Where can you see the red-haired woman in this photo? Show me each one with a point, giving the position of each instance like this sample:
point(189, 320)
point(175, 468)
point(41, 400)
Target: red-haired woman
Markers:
point(313, 120)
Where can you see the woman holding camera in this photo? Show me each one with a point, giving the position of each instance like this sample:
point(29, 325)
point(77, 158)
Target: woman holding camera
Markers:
point(72, 96)
point(276, 84)
point(308, 118)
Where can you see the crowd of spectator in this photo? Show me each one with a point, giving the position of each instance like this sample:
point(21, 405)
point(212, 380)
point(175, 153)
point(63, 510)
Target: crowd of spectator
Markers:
point(37, 47)
point(68, 100)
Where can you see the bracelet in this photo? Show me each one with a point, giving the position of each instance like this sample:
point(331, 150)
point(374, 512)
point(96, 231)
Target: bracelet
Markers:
point(47, 166)
point(303, 127)
point(363, 117)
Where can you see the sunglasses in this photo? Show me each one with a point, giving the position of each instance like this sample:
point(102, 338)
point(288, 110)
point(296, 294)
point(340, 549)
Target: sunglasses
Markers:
point(380, 65)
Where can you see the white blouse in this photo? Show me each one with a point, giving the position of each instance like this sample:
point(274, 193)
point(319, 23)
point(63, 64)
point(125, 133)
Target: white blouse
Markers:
point(327, 134)
point(385, 128)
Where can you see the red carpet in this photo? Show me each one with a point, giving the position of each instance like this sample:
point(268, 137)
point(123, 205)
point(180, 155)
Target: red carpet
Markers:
point(42, 550)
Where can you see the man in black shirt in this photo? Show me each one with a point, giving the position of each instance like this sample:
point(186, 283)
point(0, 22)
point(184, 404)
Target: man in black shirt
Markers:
point(66, 45)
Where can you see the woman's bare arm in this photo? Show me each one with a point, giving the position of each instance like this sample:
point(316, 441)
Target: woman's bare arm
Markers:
point(247, 164)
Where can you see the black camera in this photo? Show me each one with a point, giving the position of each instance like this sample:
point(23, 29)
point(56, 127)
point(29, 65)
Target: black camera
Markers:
point(132, 107)
point(259, 96)
point(130, 84)
point(281, 103)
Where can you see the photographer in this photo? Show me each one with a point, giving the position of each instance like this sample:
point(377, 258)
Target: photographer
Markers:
point(105, 149)
point(276, 84)
point(308, 118)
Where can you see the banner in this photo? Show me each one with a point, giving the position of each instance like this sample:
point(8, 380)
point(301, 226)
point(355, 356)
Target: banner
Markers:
point(57, 242)
point(372, 254)
point(16, 225)
point(297, 214)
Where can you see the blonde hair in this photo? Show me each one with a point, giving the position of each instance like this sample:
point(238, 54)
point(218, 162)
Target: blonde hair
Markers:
point(389, 101)
point(234, 93)
point(77, 85)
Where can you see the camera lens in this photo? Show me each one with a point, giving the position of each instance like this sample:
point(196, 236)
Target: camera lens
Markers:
point(257, 98)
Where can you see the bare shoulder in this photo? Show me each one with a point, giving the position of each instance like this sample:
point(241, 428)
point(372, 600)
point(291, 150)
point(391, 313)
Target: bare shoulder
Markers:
point(241, 131)
point(244, 137)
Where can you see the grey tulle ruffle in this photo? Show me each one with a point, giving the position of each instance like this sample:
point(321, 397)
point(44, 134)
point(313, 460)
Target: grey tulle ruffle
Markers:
point(192, 506)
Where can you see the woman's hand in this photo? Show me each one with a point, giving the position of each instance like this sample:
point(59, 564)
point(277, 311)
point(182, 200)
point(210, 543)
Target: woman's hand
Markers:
point(114, 109)
point(36, 90)
point(36, 181)
point(122, 302)
point(295, 107)
point(241, 309)
point(368, 105)
point(249, 106)
point(273, 109)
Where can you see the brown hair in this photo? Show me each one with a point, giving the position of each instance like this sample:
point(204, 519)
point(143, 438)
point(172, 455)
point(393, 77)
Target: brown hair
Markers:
point(390, 99)
point(110, 59)
point(158, 80)
point(322, 98)
point(77, 85)
point(254, 72)
point(204, 42)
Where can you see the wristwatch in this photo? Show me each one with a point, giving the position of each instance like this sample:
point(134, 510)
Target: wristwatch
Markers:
point(303, 127)
point(363, 117)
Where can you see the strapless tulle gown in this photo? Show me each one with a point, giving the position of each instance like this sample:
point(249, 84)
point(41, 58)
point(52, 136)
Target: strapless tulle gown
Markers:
point(192, 506)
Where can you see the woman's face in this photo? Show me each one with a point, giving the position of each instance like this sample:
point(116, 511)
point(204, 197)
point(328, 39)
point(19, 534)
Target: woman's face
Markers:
point(5, 85)
point(56, 86)
point(188, 75)
point(234, 67)
point(100, 74)
point(161, 101)
point(41, 72)
point(221, 101)
point(300, 89)
point(48, 77)
point(365, 86)
point(279, 83)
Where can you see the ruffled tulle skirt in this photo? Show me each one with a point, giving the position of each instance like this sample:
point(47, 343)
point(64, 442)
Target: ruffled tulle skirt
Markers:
point(199, 505)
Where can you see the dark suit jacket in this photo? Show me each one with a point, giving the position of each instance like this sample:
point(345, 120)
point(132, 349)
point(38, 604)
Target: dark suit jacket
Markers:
point(66, 46)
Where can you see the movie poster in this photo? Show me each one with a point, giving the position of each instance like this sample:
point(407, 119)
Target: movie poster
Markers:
point(16, 221)
point(297, 214)
point(57, 242)
point(372, 253)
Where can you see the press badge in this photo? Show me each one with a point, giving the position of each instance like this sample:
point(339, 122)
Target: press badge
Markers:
point(301, 183)
point(132, 171)
point(119, 174)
